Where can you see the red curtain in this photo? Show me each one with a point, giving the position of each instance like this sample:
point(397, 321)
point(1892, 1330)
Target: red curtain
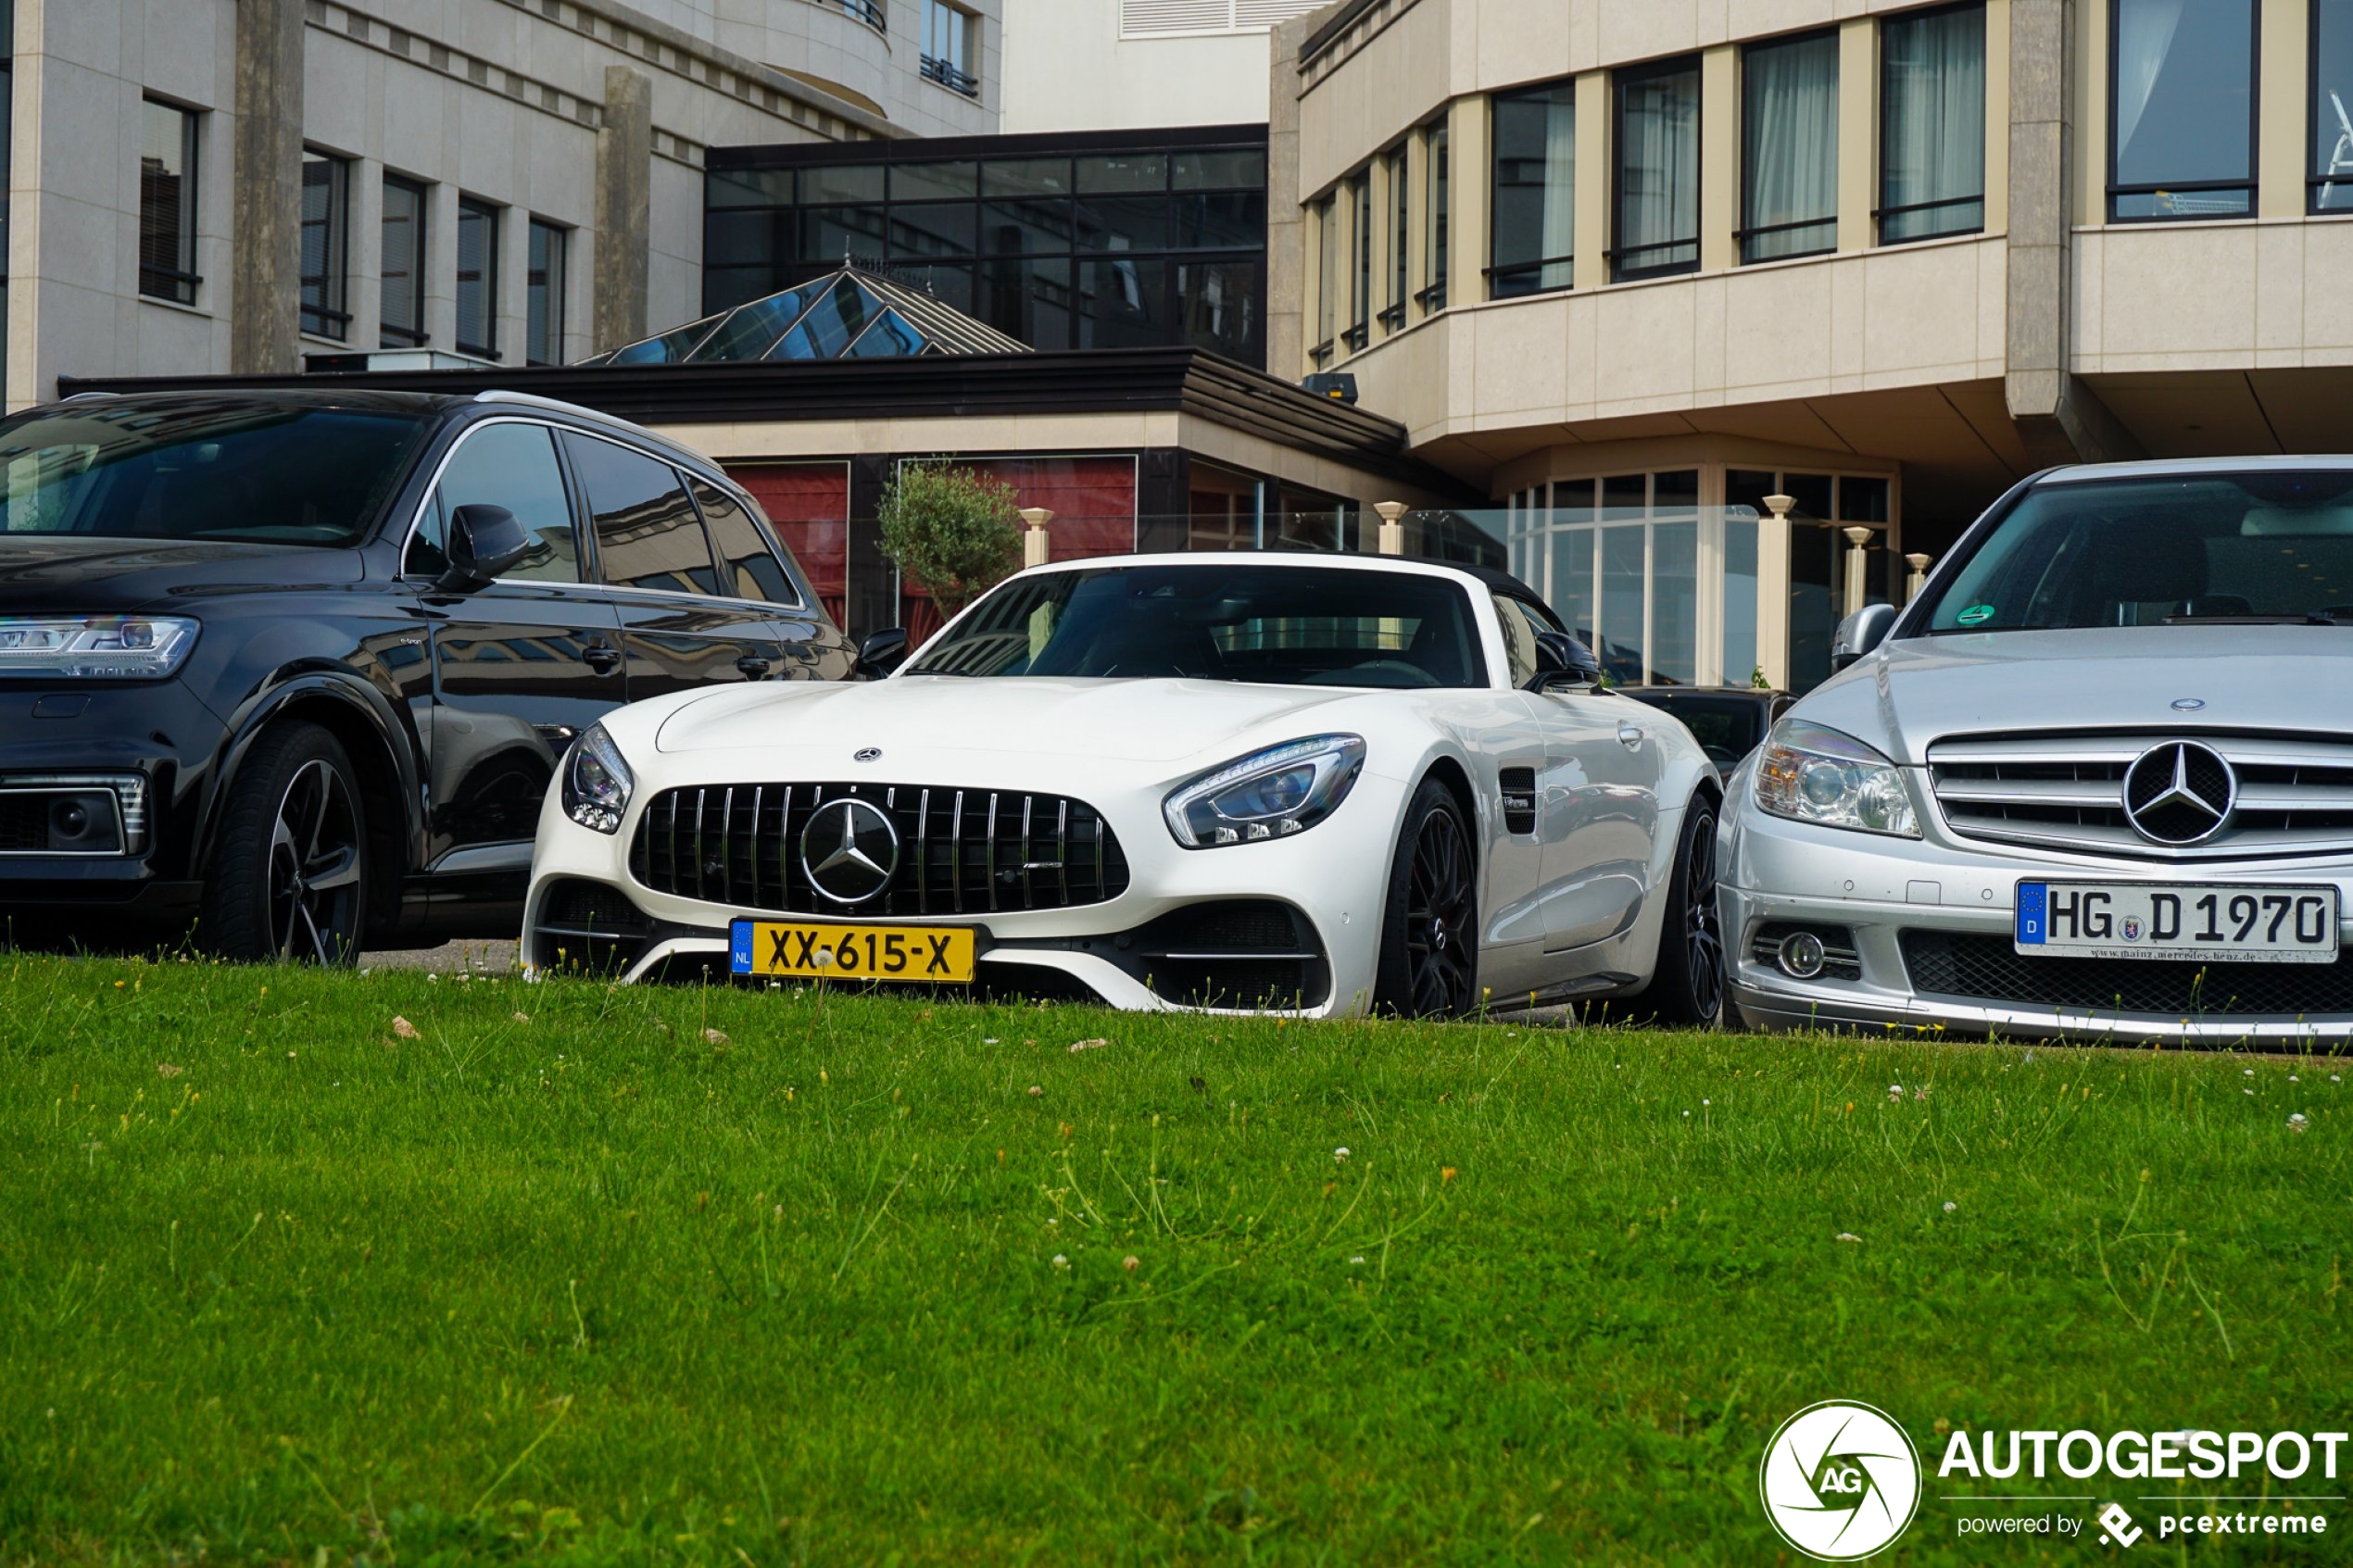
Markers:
point(810, 505)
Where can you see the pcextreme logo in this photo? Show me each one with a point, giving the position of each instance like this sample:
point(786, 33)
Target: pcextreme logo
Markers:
point(1840, 1480)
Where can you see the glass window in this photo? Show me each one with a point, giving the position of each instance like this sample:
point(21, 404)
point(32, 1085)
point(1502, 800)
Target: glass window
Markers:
point(1740, 597)
point(1038, 227)
point(1672, 647)
point(1228, 618)
point(1434, 257)
point(1218, 303)
point(2332, 181)
point(1122, 222)
point(1029, 300)
point(403, 272)
point(1122, 304)
point(512, 466)
point(1401, 229)
point(1789, 142)
point(950, 48)
point(1360, 272)
point(1226, 221)
point(326, 224)
point(1932, 124)
point(544, 326)
point(1520, 638)
point(921, 229)
point(221, 469)
point(1213, 171)
point(1326, 225)
point(167, 202)
point(932, 181)
point(752, 570)
point(2181, 108)
point(1658, 172)
point(749, 187)
point(647, 533)
point(1535, 224)
point(842, 183)
point(1123, 171)
point(477, 277)
point(1026, 177)
point(1624, 572)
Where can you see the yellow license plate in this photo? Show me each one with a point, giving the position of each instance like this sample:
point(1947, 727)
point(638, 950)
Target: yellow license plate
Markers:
point(935, 954)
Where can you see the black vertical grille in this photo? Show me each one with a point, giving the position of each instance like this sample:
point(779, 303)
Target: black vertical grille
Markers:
point(960, 851)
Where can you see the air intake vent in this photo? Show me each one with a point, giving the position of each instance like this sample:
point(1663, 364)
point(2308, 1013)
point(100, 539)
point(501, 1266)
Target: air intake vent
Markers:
point(1519, 799)
point(960, 851)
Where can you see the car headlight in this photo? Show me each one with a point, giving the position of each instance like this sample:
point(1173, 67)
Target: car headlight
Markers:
point(97, 646)
point(597, 782)
point(1270, 794)
point(1811, 775)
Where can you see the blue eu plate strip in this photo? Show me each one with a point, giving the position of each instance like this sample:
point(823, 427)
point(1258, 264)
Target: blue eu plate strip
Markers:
point(2032, 927)
point(739, 947)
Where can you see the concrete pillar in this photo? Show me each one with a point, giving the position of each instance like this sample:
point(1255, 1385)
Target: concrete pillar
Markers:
point(2059, 419)
point(2283, 140)
point(1392, 527)
point(1773, 591)
point(1858, 131)
point(1036, 543)
point(1859, 568)
point(1593, 139)
point(624, 199)
point(265, 272)
point(1289, 234)
point(1719, 155)
point(1918, 579)
point(1466, 192)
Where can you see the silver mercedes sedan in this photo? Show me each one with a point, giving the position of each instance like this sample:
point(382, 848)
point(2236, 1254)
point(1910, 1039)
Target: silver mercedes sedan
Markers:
point(2096, 782)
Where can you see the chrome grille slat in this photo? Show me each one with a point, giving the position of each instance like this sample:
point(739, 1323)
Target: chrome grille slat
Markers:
point(2065, 792)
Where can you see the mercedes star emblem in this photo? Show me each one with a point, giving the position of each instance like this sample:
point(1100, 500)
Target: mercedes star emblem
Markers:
point(874, 753)
point(2179, 792)
point(849, 849)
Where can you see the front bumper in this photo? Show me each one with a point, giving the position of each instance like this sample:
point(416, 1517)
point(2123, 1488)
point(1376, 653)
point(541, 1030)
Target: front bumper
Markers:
point(1930, 925)
point(1289, 926)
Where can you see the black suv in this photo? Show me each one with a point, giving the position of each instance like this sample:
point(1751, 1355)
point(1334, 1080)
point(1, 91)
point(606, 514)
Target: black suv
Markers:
point(291, 671)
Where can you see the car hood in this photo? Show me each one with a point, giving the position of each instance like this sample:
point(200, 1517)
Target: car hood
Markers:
point(1913, 693)
point(1120, 721)
point(74, 573)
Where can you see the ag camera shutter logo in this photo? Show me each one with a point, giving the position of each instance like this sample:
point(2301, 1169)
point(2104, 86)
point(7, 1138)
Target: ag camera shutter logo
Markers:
point(1840, 1480)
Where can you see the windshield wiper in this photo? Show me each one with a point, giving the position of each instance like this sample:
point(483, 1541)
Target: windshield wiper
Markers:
point(2309, 618)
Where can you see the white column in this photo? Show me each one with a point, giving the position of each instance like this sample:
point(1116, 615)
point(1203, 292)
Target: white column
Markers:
point(1773, 590)
point(1034, 541)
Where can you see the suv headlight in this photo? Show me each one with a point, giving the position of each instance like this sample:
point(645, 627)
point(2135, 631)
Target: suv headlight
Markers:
point(97, 647)
point(597, 781)
point(1811, 775)
point(1269, 793)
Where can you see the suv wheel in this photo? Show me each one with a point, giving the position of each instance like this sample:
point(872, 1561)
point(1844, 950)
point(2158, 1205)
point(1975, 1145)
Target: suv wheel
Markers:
point(288, 877)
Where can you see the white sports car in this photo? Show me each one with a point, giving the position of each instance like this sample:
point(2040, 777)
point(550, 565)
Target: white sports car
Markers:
point(1312, 784)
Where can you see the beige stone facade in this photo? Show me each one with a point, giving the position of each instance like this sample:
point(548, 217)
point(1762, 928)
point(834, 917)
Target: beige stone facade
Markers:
point(587, 117)
point(1952, 366)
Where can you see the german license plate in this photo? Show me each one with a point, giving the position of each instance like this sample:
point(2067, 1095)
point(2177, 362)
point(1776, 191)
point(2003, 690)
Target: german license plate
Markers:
point(941, 954)
point(2197, 921)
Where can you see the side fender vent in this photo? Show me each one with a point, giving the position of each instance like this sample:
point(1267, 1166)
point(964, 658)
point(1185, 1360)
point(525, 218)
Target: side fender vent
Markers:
point(1519, 799)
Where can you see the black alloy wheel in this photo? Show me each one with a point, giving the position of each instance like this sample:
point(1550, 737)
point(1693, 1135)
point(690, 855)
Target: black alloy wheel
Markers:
point(288, 875)
point(1430, 947)
point(1687, 988)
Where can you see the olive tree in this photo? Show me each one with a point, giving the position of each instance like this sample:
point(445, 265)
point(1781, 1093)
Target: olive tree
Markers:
point(954, 532)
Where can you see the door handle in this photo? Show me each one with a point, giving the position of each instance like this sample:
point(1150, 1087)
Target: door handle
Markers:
point(752, 667)
point(1630, 736)
point(602, 659)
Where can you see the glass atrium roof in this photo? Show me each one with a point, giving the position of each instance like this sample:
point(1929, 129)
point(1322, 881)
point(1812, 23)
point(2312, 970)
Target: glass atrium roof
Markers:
point(852, 314)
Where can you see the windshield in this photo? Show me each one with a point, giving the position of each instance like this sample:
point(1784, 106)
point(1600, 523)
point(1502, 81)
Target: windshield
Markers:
point(234, 470)
point(2276, 545)
point(1249, 621)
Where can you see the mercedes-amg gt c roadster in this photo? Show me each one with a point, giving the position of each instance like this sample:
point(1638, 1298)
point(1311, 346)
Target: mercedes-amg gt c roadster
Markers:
point(1311, 785)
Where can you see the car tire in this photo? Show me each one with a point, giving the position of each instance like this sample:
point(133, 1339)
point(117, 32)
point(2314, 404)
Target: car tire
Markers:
point(1687, 987)
point(1429, 928)
point(287, 877)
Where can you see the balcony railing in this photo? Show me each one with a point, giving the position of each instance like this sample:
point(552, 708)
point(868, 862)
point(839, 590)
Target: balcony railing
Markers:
point(867, 11)
point(950, 75)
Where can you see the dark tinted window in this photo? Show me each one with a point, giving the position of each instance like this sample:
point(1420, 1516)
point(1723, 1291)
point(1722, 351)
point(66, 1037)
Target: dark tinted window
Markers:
point(1280, 625)
point(1727, 728)
point(648, 535)
point(203, 470)
point(752, 570)
point(512, 466)
point(2274, 543)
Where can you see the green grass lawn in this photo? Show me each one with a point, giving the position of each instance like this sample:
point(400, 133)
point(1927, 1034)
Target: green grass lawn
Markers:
point(675, 1276)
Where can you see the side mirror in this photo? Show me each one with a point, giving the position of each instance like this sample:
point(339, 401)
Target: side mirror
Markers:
point(879, 653)
point(1860, 634)
point(484, 543)
point(1563, 664)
